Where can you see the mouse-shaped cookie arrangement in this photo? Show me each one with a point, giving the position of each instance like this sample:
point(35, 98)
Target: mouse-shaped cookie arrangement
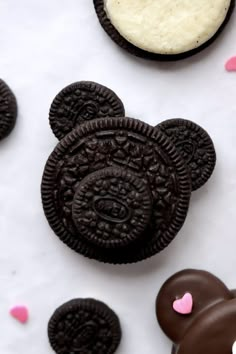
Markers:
point(198, 313)
point(164, 30)
point(117, 189)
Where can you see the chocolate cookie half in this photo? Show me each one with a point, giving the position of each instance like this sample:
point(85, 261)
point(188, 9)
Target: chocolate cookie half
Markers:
point(112, 207)
point(195, 146)
point(164, 30)
point(84, 326)
point(8, 110)
point(80, 102)
point(198, 313)
point(116, 190)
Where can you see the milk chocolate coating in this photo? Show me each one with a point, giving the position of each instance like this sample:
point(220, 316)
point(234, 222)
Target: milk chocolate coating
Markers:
point(211, 326)
point(213, 331)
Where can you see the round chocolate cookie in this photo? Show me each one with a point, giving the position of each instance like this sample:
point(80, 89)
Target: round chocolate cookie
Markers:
point(85, 326)
point(112, 207)
point(80, 102)
point(198, 313)
point(163, 30)
point(116, 190)
point(195, 146)
point(8, 110)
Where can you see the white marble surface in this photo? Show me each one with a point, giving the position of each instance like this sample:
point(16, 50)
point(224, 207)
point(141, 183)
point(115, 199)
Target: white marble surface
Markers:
point(46, 45)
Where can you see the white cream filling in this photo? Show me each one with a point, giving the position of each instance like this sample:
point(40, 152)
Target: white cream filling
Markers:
point(167, 26)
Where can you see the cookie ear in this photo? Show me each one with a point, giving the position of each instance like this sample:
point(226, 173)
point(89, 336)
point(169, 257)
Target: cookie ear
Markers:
point(81, 102)
point(184, 296)
point(195, 146)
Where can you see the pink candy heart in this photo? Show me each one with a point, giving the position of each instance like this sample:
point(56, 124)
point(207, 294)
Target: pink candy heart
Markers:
point(20, 313)
point(184, 305)
point(231, 64)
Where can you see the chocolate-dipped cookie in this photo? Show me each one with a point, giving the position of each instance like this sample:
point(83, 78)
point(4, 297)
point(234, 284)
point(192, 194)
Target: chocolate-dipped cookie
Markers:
point(164, 30)
point(195, 146)
point(198, 313)
point(80, 102)
point(8, 110)
point(84, 326)
point(116, 190)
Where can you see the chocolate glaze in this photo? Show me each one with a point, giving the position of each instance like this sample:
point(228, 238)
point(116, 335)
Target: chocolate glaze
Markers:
point(211, 326)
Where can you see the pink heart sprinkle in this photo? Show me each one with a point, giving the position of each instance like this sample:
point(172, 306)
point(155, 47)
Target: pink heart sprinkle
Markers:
point(184, 305)
point(231, 64)
point(20, 313)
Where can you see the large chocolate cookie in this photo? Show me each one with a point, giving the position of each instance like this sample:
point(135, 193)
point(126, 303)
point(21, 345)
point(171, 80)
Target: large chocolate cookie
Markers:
point(80, 102)
point(84, 326)
point(163, 30)
point(198, 313)
point(116, 190)
point(8, 110)
point(195, 146)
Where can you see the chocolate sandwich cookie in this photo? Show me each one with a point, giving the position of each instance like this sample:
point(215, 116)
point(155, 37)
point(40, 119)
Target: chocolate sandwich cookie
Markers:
point(112, 207)
point(195, 146)
point(198, 313)
point(81, 102)
point(8, 110)
point(85, 326)
point(164, 30)
point(116, 190)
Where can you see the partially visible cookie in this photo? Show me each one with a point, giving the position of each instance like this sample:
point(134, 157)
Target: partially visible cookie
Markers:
point(80, 102)
point(8, 110)
point(84, 326)
point(163, 30)
point(195, 146)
